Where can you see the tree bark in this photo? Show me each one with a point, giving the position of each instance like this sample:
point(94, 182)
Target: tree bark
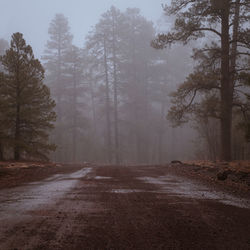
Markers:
point(17, 120)
point(234, 48)
point(226, 87)
point(58, 95)
point(117, 145)
point(94, 120)
point(17, 130)
point(74, 116)
point(108, 123)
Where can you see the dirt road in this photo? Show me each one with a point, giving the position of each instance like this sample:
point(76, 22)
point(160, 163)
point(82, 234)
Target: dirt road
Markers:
point(122, 208)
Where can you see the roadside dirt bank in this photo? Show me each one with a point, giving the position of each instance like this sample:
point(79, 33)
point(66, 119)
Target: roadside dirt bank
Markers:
point(237, 174)
point(17, 173)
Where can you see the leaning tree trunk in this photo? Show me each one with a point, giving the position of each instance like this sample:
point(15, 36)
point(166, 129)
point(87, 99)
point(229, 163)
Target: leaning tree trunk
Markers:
point(226, 87)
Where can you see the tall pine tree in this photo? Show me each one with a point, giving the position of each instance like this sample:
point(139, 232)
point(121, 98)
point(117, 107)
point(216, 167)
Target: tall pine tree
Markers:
point(58, 45)
point(227, 21)
point(26, 106)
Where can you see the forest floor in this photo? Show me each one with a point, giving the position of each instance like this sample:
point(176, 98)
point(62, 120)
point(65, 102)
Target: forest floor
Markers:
point(176, 206)
point(237, 179)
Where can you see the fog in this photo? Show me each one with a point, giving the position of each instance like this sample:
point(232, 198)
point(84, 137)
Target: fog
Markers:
point(120, 91)
point(32, 17)
point(163, 143)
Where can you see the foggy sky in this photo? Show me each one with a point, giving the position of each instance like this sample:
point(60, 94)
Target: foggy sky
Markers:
point(32, 17)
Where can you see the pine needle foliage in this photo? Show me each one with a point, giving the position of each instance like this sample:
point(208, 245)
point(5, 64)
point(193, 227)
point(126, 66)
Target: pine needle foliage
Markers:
point(26, 107)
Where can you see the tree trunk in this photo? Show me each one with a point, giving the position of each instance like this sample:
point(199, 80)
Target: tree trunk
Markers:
point(58, 95)
point(108, 123)
point(146, 106)
point(234, 42)
point(74, 118)
point(117, 146)
point(17, 120)
point(161, 131)
point(1, 152)
point(17, 134)
point(93, 105)
point(94, 120)
point(234, 54)
point(226, 87)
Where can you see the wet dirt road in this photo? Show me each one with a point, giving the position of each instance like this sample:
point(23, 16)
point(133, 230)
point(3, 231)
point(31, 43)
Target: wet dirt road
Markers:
point(122, 208)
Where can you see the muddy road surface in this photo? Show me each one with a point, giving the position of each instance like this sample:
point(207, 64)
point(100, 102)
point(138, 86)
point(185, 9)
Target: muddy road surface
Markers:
point(109, 207)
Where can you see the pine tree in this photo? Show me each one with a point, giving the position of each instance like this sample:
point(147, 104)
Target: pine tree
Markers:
point(103, 44)
point(3, 47)
point(74, 119)
point(26, 106)
point(58, 45)
point(124, 69)
point(137, 61)
point(227, 21)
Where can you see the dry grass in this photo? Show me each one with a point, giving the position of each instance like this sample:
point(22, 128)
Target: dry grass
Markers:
point(26, 164)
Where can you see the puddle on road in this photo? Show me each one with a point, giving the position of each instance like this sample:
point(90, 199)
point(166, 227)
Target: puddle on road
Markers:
point(103, 178)
point(126, 191)
point(185, 188)
point(21, 199)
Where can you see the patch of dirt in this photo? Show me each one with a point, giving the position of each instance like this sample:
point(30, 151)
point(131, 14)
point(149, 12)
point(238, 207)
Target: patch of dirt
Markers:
point(16, 173)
